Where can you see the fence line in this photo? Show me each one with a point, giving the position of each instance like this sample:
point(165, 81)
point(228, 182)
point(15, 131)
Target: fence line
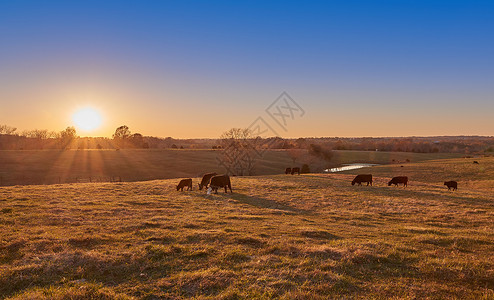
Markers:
point(24, 180)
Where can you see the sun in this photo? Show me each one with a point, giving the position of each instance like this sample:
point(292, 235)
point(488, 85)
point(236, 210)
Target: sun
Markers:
point(87, 119)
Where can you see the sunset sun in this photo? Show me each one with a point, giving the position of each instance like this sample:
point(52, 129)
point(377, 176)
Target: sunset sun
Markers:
point(87, 119)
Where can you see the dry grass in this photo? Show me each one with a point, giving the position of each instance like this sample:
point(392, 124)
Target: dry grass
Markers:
point(290, 237)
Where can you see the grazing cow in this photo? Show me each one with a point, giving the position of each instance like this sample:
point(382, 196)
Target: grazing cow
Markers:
point(288, 170)
point(205, 180)
point(451, 185)
point(219, 181)
point(399, 179)
point(185, 183)
point(475, 162)
point(362, 178)
point(296, 170)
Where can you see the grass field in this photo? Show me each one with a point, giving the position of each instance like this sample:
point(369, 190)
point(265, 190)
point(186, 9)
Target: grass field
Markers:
point(54, 166)
point(290, 237)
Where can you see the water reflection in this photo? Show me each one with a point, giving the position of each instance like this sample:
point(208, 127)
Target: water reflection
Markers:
point(348, 167)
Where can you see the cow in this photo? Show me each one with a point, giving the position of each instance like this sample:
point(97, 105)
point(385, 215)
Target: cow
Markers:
point(475, 162)
point(288, 170)
point(296, 170)
point(205, 180)
point(362, 178)
point(219, 181)
point(185, 183)
point(399, 179)
point(451, 185)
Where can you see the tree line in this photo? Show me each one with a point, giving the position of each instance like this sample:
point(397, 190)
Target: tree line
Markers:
point(11, 139)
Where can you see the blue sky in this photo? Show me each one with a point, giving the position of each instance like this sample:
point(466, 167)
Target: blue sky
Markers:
point(166, 68)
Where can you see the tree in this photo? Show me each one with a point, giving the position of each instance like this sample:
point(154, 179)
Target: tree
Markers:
point(5, 129)
point(67, 136)
point(39, 137)
point(122, 132)
point(237, 134)
point(305, 169)
point(239, 151)
point(137, 140)
point(319, 151)
point(121, 135)
point(295, 154)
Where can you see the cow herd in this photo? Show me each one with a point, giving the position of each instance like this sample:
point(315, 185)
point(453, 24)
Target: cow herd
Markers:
point(210, 181)
point(367, 178)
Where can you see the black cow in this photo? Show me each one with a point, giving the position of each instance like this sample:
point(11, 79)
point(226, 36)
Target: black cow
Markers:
point(288, 170)
point(399, 179)
point(475, 162)
point(185, 183)
point(451, 185)
point(220, 181)
point(205, 180)
point(362, 178)
point(296, 170)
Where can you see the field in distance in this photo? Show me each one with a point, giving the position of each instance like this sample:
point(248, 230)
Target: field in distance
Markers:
point(69, 166)
point(277, 236)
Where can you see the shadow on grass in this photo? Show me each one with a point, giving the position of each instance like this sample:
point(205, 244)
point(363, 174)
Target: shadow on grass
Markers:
point(257, 202)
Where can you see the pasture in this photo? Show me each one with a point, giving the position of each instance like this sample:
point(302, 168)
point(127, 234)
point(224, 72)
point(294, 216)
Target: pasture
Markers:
point(70, 166)
point(277, 236)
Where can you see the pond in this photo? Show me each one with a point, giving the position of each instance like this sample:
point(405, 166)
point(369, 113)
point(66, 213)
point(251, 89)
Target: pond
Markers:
point(348, 167)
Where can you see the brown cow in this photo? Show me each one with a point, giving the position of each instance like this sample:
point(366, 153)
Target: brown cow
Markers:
point(296, 170)
point(451, 185)
point(362, 178)
point(185, 183)
point(399, 179)
point(288, 170)
point(219, 181)
point(205, 180)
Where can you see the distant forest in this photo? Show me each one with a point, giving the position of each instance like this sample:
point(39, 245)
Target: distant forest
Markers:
point(123, 138)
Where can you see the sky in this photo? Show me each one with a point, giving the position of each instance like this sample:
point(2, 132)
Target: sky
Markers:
point(194, 69)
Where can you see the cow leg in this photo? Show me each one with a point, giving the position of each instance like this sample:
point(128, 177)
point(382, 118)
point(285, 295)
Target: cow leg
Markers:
point(230, 186)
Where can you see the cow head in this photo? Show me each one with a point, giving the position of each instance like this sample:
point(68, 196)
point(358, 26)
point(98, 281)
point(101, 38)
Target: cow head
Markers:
point(178, 187)
point(353, 182)
point(390, 183)
point(200, 186)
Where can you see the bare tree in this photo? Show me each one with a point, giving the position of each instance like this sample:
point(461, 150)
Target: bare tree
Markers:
point(237, 134)
point(239, 151)
point(38, 136)
point(295, 154)
point(5, 129)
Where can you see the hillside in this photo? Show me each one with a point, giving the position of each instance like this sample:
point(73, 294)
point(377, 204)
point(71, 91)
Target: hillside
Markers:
point(70, 166)
point(276, 236)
